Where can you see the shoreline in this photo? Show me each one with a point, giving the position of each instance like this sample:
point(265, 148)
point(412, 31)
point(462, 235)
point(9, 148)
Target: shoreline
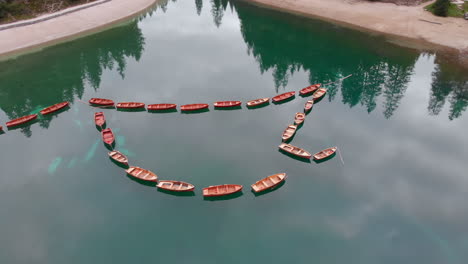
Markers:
point(402, 25)
point(17, 41)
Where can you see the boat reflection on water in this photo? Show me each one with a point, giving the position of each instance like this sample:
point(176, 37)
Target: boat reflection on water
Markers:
point(142, 182)
point(181, 194)
point(162, 111)
point(224, 197)
point(305, 160)
point(196, 111)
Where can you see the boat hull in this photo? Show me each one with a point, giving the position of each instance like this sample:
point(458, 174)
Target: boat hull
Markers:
point(193, 107)
point(142, 174)
point(159, 107)
point(221, 190)
point(296, 151)
point(54, 108)
point(101, 102)
point(308, 106)
point(118, 157)
point(108, 136)
point(175, 186)
point(289, 132)
point(99, 119)
point(258, 102)
point(299, 118)
point(326, 153)
point(283, 96)
point(21, 120)
point(309, 89)
point(226, 104)
point(319, 94)
point(130, 105)
point(269, 182)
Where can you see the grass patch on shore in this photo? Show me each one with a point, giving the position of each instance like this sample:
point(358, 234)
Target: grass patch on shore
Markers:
point(453, 10)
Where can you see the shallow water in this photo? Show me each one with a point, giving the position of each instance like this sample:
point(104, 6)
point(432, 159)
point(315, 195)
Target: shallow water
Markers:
point(399, 196)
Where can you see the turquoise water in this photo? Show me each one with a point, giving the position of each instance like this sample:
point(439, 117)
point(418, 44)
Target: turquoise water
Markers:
point(400, 122)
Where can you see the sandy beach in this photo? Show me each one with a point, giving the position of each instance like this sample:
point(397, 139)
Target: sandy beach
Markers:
point(32, 37)
point(408, 24)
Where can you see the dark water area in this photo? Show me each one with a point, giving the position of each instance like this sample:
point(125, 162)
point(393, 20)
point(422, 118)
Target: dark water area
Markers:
point(398, 196)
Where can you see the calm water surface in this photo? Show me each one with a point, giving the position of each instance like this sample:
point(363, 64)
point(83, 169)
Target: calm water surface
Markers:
point(398, 197)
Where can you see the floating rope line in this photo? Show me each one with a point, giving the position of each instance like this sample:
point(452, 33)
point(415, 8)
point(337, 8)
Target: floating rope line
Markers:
point(339, 80)
point(339, 153)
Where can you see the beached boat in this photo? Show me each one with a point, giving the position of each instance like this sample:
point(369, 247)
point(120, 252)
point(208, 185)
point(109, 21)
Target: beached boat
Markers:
point(309, 89)
point(289, 132)
point(21, 120)
point(108, 136)
point(308, 106)
point(295, 150)
point(227, 103)
point(176, 186)
point(319, 93)
point(193, 107)
point(159, 107)
point(54, 108)
point(299, 118)
point(258, 102)
point(101, 101)
point(283, 96)
point(269, 182)
point(130, 105)
point(325, 153)
point(118, 157)
point(220, 190)
point(99, 119)
point(1, 128)
point(142, 174)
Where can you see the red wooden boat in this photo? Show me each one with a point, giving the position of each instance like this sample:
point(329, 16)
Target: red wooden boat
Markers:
point(319, 93)
point(308, 106)
point(1, 128)
point(283, 96)
point(296, 151)
point(227, 103)
point(142, 174)
point(289, 132)
point(118, 157)
point(156, 107)
point(99, 119)
point(299, 118)
point(220, 190)
point(176, 186)
point(54, 108)
point(130, 105)
point(325, 153)
point(21, 120)
point(108, 136)
point(101, 101)
point(309, 89)
point(193, 107)
point(258, 102)
point(269, 182)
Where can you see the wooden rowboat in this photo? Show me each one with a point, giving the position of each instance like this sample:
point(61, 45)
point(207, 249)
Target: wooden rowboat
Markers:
point(309, 89)
point(289, 132)
point(99, 119)
point(269, 182)
point(220, 190)
point(130, 105)
point(21, 120)
point(227, 103)
point(296, 151)
point(176, 186)
point(158, 107)
point(299, 118)
point(118, 157)
point(108, 136)
point(325, 153)
point(258, 102)
point(283, 96)
point(142, 174)
point(54, 108)
point(319, 94)
point(308, 106)
point(101, 101)
point(193, 107)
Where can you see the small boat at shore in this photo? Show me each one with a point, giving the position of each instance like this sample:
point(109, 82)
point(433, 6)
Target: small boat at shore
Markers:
point(160, 107)
point(130, 105)
point(101, 102)
point(289, 132)
point(227, 104)
point(142, 174)
point(319, 94)
point(21, 120)
point(99, 119)
point(308, 106)
point(176, 186)
point(283, 96)
point(309, 89)
point(220, 190)
point(258, 102)
point(299, 118)
point(269, 182)
point(325, 153)
point(118, 157)
point(108, 136)
point(296, 151)
point(193, 107)
point(54, 108)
